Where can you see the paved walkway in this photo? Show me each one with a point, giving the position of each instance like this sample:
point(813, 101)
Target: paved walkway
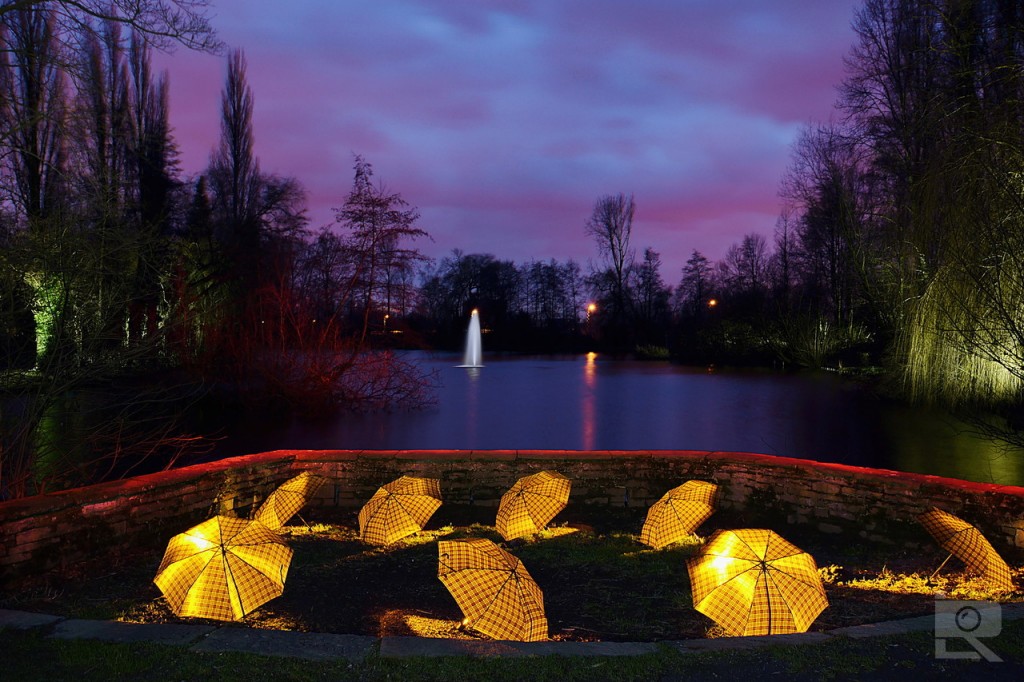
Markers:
point(319, 646)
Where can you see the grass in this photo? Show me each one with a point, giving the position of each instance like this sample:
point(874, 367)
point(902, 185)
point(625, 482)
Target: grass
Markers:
point(31, 655)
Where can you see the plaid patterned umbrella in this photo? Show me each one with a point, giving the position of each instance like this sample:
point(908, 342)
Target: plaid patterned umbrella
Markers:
point(493, 589)
point(223, 568)
point(678, 513)
point(288, 499)
point(960, 538)
point(753, 582)
point(399, 508)
point(531, 503)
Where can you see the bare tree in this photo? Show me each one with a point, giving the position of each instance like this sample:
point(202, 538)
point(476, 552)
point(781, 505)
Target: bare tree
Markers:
point(611, 227)
point(153, 171)
point(379, 224)
point(163, 22)
point(826, 181)
point(34, 110)
point(781, 260)
point(748, 264)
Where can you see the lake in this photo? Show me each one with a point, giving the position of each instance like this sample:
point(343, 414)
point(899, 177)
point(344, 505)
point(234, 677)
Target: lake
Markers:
point(593, 402)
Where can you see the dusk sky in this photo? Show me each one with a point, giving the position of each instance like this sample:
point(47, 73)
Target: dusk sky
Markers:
point(503, 121)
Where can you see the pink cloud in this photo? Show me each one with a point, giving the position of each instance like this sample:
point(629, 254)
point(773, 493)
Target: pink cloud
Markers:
point(504, 121)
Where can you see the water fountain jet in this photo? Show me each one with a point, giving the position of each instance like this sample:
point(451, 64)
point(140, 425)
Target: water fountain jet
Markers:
point(473, 356)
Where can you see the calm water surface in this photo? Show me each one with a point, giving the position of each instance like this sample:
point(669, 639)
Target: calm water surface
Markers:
point(590, 402)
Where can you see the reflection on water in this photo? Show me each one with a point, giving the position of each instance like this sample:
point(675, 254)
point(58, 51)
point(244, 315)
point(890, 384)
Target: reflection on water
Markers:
point(587, 402)
point(472, 415)
point(591, 402)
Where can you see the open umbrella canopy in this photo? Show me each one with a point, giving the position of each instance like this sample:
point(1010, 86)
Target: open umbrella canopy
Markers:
point(754, 582)
point(399, 508)
point(223, 568)
point(494, 590)
point(678, 513)
point(288, 499)
point(531, 503)
point(963, 540)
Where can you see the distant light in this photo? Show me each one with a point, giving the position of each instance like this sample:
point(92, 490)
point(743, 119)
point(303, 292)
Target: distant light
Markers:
point(475, 312)
point(712, 303)
point(592, 307)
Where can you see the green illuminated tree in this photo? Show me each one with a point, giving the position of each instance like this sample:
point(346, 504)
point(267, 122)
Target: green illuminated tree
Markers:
point(86, 165)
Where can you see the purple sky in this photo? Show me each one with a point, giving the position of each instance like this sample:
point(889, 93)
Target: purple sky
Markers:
point(504, 120)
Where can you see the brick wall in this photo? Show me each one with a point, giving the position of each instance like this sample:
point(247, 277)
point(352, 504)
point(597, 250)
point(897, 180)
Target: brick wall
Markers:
point(59, 533)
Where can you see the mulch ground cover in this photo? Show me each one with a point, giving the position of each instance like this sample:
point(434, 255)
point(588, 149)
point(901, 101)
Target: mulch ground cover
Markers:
point(599, 581)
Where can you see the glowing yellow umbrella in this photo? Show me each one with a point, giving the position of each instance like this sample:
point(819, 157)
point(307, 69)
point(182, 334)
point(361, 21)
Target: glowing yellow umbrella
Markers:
point(754, 582)
point(494, 590)
point(288, 499)
point(223, 568)
point(399, 508)
point(678, 513)
point(958, 537)
point(531, 503)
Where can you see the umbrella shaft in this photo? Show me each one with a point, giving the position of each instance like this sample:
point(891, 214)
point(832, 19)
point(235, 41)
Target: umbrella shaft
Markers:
point(940, 567)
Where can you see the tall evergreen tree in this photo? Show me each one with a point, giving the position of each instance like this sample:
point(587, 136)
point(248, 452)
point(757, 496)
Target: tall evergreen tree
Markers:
point(235, 176)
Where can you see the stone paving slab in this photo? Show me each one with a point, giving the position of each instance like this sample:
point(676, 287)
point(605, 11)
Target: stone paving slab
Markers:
point(115, 631)
point(25, 620)
point(1013, 611)
point(401, 647)
point(1007, 612)
point(322, 646)
point(888, 628)
point(754, 642)
point(314, 646)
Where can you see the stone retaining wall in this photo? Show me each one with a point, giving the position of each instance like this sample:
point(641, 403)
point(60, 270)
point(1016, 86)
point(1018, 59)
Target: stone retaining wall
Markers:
point(61, 533)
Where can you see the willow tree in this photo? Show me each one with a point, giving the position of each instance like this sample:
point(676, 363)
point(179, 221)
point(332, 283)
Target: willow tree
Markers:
point(964, 345)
